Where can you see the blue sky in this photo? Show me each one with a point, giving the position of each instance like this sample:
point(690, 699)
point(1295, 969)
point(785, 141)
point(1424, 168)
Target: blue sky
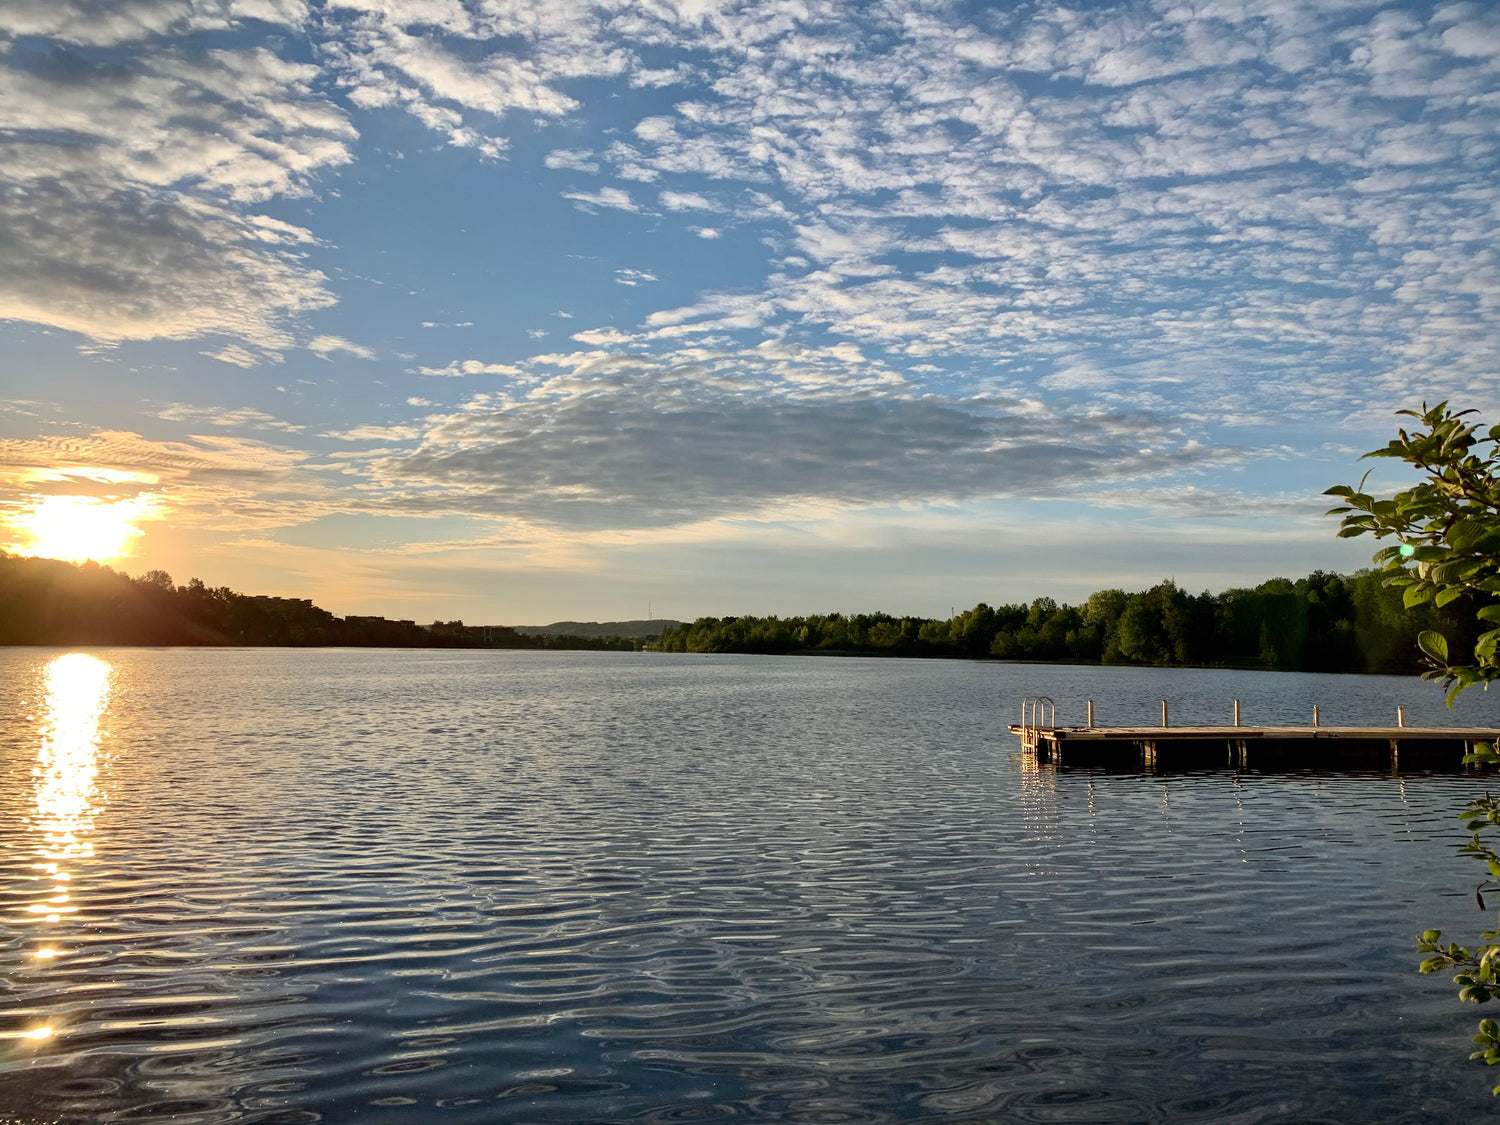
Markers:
point(516, 312)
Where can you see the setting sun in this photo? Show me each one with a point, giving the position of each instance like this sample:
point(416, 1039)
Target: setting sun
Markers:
point(76, 528)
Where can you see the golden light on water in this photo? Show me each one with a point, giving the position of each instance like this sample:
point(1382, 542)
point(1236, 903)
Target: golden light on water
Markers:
point(77, 528)
point(67, 769)
point(74, 691)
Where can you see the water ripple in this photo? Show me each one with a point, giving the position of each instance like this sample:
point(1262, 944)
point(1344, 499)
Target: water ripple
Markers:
point(288, 887)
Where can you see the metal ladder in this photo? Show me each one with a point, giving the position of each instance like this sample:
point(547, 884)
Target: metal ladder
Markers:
point(1038, 713)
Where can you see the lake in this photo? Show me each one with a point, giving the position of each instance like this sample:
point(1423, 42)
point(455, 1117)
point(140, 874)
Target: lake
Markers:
point(285, 886)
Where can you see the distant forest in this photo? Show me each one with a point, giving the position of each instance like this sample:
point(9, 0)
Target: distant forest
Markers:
point(47, 602)
point(1322, 623)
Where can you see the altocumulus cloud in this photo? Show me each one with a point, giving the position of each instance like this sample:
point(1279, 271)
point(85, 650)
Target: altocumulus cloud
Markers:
point(1234, 206)
point(1142, 209)
point(619, 442)
point(206, 482)
point(127, 184)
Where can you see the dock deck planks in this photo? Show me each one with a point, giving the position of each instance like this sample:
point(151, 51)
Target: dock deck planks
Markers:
point(1101, 734)
point(1243, 747)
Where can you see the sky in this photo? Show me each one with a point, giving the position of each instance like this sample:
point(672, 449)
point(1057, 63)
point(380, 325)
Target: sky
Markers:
point(517, 312)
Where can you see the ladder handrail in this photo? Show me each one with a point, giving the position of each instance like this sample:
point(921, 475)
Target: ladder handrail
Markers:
point(1038, 713)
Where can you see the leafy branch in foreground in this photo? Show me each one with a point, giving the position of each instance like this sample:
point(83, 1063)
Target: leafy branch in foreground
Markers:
point(1448, 527)
point(1448, 532)
point(1478, 974)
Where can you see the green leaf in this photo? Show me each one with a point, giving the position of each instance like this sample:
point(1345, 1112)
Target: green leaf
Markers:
point(1447, 595)
point(1489, 613)
point(1433, 644)
point(1416, 595)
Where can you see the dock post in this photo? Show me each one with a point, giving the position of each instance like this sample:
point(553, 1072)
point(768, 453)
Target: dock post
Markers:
point(1315, 715)
point(1236, 712)
point(1091, 712)
point(1148, 754)
point(1400, 716)
point(1164, 722)
point(1239, 753)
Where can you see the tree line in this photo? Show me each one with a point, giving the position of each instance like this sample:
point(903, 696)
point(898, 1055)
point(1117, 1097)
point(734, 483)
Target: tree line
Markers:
point(1324, 622)
point(49, 602)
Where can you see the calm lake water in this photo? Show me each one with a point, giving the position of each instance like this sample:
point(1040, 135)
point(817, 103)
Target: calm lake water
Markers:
point(413, 887)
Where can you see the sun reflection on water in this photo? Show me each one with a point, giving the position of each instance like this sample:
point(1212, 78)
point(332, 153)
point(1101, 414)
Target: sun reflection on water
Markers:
point(66, 781)
point(67, 768)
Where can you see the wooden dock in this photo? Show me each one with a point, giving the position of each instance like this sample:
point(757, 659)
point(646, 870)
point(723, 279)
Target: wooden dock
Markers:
point(1253, 747)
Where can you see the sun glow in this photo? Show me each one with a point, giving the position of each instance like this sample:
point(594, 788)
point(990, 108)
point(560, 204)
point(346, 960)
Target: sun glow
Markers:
point(76, 528)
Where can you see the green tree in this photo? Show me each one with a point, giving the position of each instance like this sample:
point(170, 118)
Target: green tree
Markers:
point(1447, 528)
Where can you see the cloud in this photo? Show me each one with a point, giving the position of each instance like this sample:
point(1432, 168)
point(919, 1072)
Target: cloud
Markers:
point(575, 160)
point(225, 417)
point(686, 201)
point(459, 70)
point(235, 355)
point(92, 24)
point(127, 185)
point(460, 368)
point(615, 198)
point(602, 337)
point(206, 482)
point(1146, 210)
point(618, 441)
point(326, 345)
point(375, 433)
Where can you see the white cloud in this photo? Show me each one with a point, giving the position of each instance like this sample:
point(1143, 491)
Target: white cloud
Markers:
point(575, 160)
point(686, 201)
point(243, 417)
point(459, 368)
point(633, 277)
point(126, 187)
point(127, 21)
point(374, 433)
point(233, 354)
point(611, 197)
point(602, 337)
point(326, 345)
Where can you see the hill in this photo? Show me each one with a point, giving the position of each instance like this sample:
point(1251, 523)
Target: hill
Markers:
point(640, 630)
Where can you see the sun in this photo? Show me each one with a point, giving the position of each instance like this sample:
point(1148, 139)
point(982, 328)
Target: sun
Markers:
point(76, 528)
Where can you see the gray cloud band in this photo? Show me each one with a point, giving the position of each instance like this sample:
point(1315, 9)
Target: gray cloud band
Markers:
point(632, 457)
